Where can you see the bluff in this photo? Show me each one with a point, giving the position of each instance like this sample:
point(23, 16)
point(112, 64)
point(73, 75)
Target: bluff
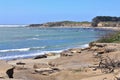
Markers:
point(62, 24)
point(106, 21)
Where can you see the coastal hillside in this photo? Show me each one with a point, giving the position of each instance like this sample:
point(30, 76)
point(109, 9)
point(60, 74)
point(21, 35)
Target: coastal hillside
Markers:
point(98, 21)
point(106, 21)
point(62, 24)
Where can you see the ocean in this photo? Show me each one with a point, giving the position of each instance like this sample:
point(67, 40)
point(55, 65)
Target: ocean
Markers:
point(25, 42)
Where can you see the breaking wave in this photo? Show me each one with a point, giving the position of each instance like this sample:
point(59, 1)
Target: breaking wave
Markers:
point(22, 49)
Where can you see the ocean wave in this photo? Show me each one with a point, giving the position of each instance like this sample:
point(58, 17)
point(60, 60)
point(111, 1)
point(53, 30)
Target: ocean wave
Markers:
point(22, 49)
point(33, 39)
point(28, 55)
point(15, 50)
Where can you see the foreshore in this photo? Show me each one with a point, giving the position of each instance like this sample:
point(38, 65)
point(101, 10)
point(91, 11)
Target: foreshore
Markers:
point(71, 64)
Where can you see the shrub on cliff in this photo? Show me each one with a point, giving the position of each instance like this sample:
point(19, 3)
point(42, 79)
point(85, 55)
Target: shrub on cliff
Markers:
point(110, 37)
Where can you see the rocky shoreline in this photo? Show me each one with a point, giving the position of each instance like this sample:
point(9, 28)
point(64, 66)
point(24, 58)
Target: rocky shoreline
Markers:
point(72, 64)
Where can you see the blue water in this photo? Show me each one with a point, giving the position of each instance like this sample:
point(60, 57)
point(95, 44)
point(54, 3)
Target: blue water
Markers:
point(23, 42)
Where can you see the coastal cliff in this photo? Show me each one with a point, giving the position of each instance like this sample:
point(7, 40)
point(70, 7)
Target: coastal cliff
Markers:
point(106, 21)
point(108, 24)
point(98, 21)
point(62, 24)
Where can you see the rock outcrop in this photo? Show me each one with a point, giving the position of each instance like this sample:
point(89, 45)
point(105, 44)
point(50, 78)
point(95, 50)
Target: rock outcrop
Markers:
point(6, 70)
point(40, 56)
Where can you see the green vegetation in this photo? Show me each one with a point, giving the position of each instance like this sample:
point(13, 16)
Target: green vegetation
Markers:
point(62, 23)
point(110, 38)
point(98, 19)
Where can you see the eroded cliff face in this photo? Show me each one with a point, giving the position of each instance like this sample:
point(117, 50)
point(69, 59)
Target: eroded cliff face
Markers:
point(108, 24)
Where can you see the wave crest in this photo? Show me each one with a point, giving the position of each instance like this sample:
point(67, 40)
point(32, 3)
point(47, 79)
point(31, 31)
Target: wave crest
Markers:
point(22, 49)
point(28, 55)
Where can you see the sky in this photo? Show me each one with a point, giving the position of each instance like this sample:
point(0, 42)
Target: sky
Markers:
point(41, 11)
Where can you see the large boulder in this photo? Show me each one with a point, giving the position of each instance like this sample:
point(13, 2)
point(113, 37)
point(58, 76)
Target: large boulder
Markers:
point(6, 70)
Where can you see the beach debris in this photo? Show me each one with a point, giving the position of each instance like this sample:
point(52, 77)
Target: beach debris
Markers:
point(40, 56)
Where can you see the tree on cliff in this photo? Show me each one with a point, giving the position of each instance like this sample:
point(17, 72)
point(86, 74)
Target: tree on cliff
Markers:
point(98, 19)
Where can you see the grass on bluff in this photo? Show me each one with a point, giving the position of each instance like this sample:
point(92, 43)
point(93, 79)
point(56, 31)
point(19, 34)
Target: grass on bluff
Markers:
point(113, 37)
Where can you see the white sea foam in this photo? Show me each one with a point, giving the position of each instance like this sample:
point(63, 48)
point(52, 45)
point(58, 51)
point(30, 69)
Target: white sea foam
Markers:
point(85, 46)
point(28, 55)
point(22, 49)
point(15, 50)
point(35, 38)
point(13, 25)
point(36, 35)
point(31, 54)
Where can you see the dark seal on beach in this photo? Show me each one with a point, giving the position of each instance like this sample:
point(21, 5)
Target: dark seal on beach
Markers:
point(40, 56)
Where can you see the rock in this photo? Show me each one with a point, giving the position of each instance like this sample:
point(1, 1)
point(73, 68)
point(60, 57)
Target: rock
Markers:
point(94, 69)
point(40, 65)
point(51, 54)
point(44, 71)
point(96, 55)
point(94, 48)
point(52, 64)
point(117, 76)
point(20, 63)
point(110, 49)
point(100, 45)
point(40, 56)
point(100, 52)
point(6, 70)
point(66, 54)
point(10, 72)
point(56, 69)
point(76, 51)
point(87, 48)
